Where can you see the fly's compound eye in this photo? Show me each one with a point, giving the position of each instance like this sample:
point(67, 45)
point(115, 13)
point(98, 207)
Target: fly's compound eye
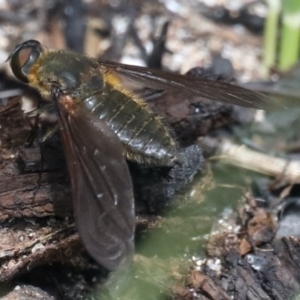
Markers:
point(24, 57)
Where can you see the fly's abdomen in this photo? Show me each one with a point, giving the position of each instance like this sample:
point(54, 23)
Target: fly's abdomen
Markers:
point(143, 134)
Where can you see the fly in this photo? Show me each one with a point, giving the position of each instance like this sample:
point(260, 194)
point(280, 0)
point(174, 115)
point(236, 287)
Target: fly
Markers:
point(103, 123)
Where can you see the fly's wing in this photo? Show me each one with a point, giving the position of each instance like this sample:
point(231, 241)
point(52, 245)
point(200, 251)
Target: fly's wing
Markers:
point(207, 89)
point(101, 187)
point(284, 92)
point(286, 89)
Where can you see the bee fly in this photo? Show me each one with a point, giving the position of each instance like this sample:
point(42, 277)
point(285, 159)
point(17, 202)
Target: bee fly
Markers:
point(103, 123)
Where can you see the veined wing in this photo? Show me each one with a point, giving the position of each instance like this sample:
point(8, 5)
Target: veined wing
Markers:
point(208, 89)
point(286, 90)
point(101, 186)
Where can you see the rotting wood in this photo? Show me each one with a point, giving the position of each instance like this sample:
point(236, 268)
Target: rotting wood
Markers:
point(24, 195)
point(29, 240)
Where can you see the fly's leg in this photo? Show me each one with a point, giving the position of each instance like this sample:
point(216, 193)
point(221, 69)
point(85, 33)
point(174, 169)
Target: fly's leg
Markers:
point(34, 128)
point(41, 140)
point(36, 113)
point(49, 134)
point(37, 132)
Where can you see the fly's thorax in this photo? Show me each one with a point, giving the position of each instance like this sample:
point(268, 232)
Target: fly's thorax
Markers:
point(144, 136)
point(70, 73)
point(82, 80)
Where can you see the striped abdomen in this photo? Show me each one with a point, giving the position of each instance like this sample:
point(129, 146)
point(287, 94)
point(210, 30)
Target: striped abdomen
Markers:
point(143, 134)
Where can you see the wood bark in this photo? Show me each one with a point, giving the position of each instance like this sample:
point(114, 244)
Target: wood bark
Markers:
point(37, 226)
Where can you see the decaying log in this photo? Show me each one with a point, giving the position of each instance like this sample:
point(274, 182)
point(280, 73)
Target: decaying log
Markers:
point(191, 117)
point(37, 226)
point(24, 292)
point(25, 193)
point(29, 245)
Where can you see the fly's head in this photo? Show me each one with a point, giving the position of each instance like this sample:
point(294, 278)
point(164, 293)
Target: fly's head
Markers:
point(55, 72)
point(23, 58)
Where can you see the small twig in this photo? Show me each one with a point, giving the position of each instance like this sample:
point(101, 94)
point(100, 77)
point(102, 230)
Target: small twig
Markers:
point(243, 157)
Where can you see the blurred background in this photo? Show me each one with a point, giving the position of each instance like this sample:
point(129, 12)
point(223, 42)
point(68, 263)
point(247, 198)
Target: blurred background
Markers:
point(190, 32)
